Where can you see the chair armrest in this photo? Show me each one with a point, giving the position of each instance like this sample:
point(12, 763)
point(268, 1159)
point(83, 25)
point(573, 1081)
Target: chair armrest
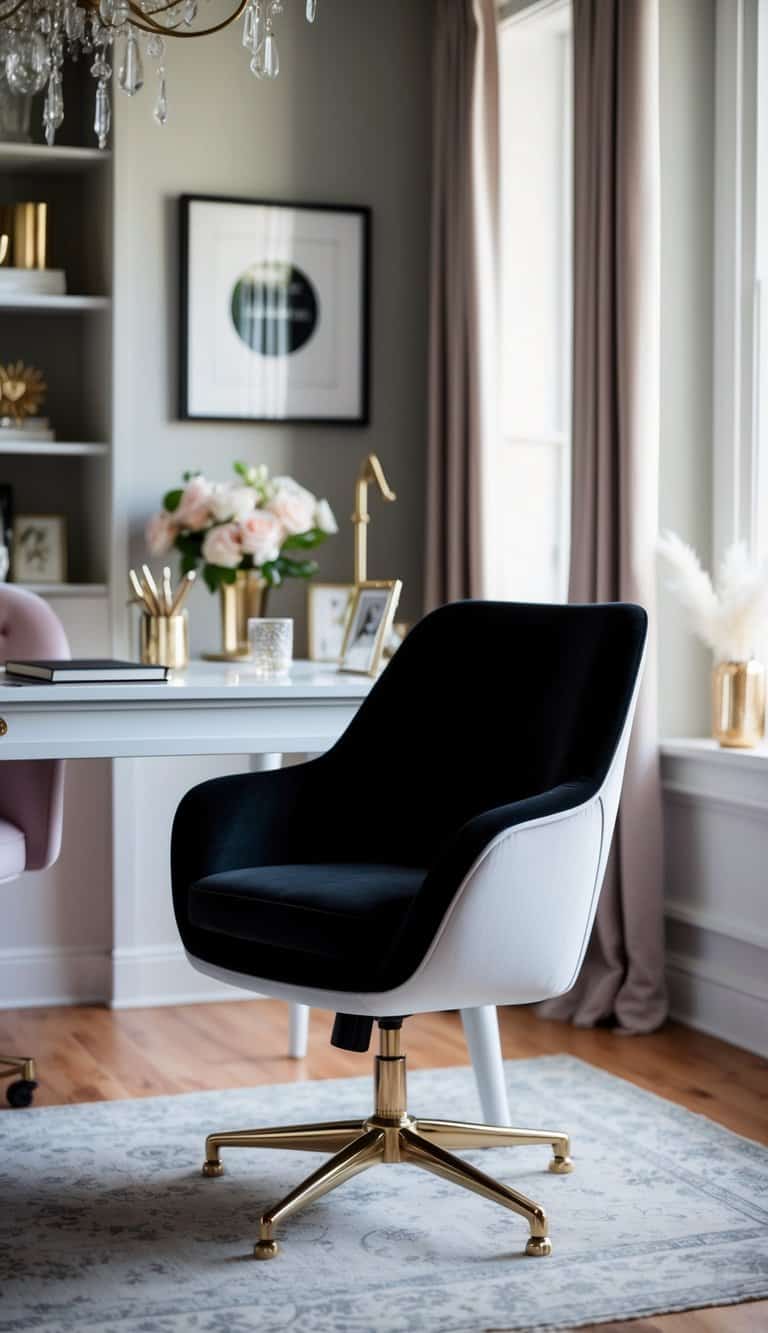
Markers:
point(460, 853)
point(242, 820)
point(464, 852)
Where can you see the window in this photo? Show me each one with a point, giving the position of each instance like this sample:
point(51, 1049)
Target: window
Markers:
point(741, 277)
point(760, 506)
point(529, 475)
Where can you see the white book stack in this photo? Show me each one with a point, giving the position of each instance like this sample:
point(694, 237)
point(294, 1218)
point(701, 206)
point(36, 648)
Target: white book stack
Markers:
point(32, 281)
point(30, 429)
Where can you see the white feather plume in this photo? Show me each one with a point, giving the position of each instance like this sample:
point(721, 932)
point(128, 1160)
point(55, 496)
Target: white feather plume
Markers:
point(731, 618)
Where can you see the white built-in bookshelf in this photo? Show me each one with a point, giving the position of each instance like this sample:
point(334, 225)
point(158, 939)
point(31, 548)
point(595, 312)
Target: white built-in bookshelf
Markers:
point(69, 338)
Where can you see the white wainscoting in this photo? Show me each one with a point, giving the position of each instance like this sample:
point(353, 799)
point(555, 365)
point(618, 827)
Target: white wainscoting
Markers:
point(716, 842)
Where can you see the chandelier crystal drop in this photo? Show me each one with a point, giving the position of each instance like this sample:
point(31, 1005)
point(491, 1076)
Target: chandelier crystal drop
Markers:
point(37, 36)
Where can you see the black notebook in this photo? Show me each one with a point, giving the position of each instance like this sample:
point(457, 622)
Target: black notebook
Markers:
point(85, 671)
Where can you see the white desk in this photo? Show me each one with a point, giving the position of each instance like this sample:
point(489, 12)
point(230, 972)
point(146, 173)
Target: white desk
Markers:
point(210, 708)
point(210, 719)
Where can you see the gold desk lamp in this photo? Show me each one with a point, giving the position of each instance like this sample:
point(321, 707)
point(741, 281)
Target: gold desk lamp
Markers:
point(370, 471)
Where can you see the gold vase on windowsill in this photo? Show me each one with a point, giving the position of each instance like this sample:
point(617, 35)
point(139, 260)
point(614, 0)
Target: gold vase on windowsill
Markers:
point(738, 704)
point(239, 602)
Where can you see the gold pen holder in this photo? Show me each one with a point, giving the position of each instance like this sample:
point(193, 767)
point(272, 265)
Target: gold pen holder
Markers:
point(164, 640)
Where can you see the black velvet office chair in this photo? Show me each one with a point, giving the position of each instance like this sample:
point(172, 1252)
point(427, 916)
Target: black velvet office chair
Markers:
point(447, 852)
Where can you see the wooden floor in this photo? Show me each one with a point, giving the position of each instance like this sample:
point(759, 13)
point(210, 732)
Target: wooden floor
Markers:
point(93, 1054)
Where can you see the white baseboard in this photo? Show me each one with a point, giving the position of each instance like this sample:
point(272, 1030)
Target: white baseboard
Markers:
point(53, 976)
point(145, 977)
point(719, 1001)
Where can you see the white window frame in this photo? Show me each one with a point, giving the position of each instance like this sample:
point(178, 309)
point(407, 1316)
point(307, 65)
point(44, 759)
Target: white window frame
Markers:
point(520, 11)
point(740, 379)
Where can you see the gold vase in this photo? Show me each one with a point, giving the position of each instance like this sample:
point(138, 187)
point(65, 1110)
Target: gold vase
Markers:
point(239, 602)
point(738, 704)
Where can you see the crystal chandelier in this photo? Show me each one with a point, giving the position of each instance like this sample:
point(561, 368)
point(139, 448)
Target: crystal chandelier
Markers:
point(37, 35)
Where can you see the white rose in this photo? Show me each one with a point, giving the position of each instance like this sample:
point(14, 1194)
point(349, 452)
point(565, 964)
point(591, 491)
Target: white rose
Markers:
point(287, 485)
point(325, 518)
point(231, 501)
point(261, 536)
point(295, 510)
point(222, 546)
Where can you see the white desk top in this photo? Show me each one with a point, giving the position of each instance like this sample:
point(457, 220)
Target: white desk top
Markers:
point(211, 708)
point(206, 682)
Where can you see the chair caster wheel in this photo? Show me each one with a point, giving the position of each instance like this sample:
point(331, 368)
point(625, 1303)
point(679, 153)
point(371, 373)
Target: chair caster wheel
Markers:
point(265, 1249)
point(561, 1166)
point(21, 1093)
point(539, 1247)
point(213, 1169)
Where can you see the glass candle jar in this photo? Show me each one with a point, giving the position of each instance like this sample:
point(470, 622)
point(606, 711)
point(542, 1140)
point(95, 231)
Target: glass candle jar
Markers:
point(271, 641)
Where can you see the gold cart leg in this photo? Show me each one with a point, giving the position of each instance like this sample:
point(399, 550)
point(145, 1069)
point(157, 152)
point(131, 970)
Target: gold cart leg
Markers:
point(433, 1158)
point(457, 1134)
point(328, 1137)
point(365, 1151)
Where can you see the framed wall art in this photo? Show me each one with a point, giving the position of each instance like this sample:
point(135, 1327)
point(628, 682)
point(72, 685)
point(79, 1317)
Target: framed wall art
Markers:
point(274, 311)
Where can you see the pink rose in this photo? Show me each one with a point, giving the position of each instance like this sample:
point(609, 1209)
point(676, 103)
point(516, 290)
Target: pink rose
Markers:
point(261, 536)
point(160, 533)
point(295, 510)
point(194, 510)
point(222, 546)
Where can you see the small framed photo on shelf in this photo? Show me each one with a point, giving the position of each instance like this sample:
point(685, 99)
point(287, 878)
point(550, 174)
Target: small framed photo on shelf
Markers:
point(328, 608)
point(370, 623)
point(274, 311)
point(39, 548)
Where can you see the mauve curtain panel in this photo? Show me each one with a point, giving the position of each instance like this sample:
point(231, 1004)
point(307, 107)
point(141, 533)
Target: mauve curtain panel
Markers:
point(463, 288)
point(615, 445)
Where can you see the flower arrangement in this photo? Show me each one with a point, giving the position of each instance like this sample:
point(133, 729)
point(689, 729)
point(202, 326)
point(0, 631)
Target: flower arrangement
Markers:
point(248, 523)
point(731, 616)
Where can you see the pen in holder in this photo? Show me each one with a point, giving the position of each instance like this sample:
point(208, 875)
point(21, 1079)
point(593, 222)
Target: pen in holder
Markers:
point(164, 630)
point(164, 640)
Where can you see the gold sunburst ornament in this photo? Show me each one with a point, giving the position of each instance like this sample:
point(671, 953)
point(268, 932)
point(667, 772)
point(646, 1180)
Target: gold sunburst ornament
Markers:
point(22, 391)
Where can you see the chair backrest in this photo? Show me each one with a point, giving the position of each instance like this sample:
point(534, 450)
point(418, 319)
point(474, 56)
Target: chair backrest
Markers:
point(32, 794)
point(484, 704)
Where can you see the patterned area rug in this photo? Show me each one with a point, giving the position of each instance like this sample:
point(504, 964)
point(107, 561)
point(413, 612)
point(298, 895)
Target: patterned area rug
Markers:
point(107, 1224)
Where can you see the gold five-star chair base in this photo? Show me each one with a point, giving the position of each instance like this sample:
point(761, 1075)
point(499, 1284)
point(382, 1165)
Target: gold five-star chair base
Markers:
point(391, 1135)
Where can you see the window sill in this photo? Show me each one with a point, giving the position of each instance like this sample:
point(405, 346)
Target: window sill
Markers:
point(709, 752)
point(699, 771)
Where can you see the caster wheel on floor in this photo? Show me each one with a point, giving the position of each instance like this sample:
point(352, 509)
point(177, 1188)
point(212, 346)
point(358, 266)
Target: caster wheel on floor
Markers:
point(21, 1093)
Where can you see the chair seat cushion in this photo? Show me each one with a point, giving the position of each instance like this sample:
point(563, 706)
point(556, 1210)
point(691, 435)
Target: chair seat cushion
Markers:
point(306, 916)
point(13, 850)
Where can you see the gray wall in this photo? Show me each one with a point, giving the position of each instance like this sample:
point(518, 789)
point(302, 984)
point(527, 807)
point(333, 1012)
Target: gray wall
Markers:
point(347, 121)
point(687, 202)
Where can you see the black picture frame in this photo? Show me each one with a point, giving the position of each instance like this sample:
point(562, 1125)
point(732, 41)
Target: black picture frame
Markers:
point(359, 418)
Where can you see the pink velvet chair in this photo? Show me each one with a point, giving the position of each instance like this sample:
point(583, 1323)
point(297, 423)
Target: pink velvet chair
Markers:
point(31, 794)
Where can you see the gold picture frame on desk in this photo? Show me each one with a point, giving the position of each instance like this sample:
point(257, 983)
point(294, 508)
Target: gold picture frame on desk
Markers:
point(370, 623)
point(39, 548)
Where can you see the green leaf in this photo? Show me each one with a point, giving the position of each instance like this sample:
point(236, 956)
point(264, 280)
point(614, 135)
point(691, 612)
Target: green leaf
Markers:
point(215, 575)
point(270, 572)
point(304, 541)
point(172, 500)
point(298, 569)
point(242, 470)
point(190, 545)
